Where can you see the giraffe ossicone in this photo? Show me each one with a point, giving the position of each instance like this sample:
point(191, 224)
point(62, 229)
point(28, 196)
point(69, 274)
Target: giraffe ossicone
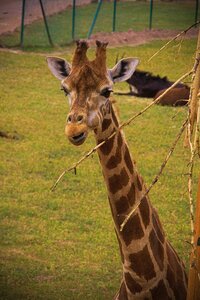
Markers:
point(151, 268)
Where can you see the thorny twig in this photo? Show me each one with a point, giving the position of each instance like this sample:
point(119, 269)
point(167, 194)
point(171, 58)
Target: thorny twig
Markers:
point(130, 120)
point(190, 139)
point(157, 176)
point(173, 39)
point(193, 149)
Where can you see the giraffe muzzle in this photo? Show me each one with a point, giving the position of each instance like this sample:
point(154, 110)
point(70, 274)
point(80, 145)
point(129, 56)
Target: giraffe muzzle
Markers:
point(76, 128)
point(78, 139)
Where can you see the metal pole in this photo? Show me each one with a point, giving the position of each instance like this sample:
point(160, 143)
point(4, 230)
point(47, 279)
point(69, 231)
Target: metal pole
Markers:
point(95, 18)
point(73, 19)
point(45, 22)
point(196, 11)
point(114, 14)
point(22, 24)
point(151, 14)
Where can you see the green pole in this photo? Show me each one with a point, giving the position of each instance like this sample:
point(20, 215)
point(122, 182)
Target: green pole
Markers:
point(95, 18)
point(114, 14)
point(45, 22)
point(22, 24)
point(151, 14)
point(73, 19)
point(196, 11)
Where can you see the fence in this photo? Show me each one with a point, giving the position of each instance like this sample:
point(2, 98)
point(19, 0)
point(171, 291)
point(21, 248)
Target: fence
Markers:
point(74, 20)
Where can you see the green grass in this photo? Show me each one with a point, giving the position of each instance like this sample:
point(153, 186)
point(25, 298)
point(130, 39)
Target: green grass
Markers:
point(130, 15)
point(62, 245)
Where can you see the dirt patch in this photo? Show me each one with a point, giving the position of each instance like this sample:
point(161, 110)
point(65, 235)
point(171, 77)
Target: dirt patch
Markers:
point(10, 19)
point(10, 11)
point(137, 38)
point(10, 135)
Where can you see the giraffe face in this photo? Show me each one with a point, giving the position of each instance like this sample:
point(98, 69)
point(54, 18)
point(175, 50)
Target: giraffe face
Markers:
point(88, 95)
point(88, 85)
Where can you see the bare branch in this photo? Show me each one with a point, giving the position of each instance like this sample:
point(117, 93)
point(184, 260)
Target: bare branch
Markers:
point(193, 126)
point(173, 39)
point(157, 176)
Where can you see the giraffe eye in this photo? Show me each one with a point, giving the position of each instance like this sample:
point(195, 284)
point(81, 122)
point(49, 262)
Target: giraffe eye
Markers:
point(65, 90)
point(106, 92)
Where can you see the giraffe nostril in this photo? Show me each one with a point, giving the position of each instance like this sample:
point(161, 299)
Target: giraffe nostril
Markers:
point(80, 119)
point(69, 119)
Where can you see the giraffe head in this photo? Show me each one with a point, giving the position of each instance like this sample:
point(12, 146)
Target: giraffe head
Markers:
point(88, 85)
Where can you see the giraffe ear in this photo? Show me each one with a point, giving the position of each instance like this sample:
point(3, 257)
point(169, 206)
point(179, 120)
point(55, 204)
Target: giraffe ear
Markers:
point(59, 67)
point(124, 69)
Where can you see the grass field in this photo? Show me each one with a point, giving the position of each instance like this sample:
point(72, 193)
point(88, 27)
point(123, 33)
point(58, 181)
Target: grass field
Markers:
point(130, 15)
point(62, 245)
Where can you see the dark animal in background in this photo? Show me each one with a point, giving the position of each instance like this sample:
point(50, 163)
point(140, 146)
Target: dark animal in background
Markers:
point(144, 84)
point(175, 97)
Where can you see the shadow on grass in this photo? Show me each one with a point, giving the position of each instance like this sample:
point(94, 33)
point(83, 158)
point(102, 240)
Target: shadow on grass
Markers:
point(33, 281)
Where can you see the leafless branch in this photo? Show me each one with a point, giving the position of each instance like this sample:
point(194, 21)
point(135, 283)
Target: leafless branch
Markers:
point(157, 176)
point(193, 149)
point(173, 39)
point(193, 127)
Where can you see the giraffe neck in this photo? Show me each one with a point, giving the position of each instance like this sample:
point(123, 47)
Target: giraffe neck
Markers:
point(142, 242)
point(124, 184)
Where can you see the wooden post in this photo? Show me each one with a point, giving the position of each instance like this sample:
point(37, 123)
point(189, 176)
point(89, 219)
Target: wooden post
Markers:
point(194, 271)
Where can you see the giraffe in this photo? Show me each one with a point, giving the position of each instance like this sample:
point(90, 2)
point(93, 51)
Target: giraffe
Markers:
point(151, 268)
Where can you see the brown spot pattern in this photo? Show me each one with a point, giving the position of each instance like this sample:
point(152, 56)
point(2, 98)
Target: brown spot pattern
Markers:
point(114, 160)
point(118, 154)
point(122, 205)
point(132, 285)
point(107, 147)
point(139, 183)
point(119, 140)
point(125, 178)
point(157, 226)
point(114, 117)
point(128, 160)
point(106, 123)
point(141, 263)
point(123, 292)
point(144, 211)
point(112, 163)
point(131, 195)
point(132, 230)
point(175, 263)
point(160, 292)
point(176, 286)
point(157, 249)
point(116, 182)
